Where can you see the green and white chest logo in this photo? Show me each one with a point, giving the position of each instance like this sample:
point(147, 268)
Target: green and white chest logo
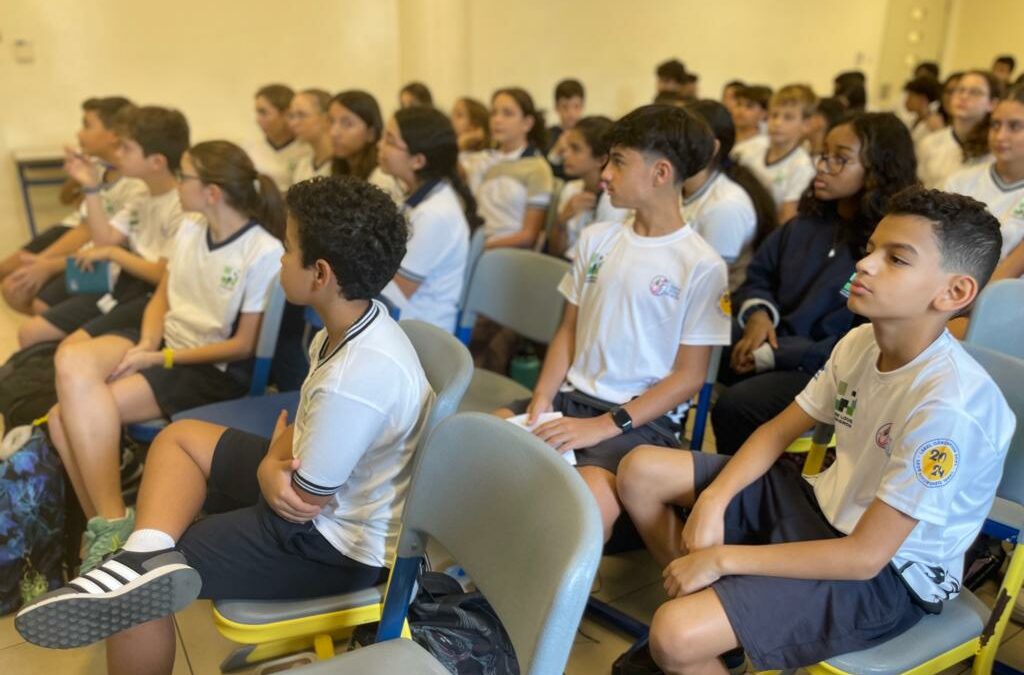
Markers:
point(593, 267)
point(1018, 211)
point(133, 220)
point(845, 404)
point(229, 277)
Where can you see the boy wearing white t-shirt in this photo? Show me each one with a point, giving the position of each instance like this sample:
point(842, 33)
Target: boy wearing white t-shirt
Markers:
point(312, 511)
point(647, 302)
point(785, 168)
point(1004, 200)
point(877, 539)
point(138, 239)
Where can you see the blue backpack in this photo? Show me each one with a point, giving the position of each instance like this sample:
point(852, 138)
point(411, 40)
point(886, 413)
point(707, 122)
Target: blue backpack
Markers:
point(32, 512)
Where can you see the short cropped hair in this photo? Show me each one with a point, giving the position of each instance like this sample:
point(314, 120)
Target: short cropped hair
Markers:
point(673, 70)
point(420, 92)
point(107, 108)
point(569, 89)
point(928, 68)
point(278, 95)
point(758, 94)
point(796, 94)
point(968, 235)
point(1007, 60)
point(672, 133)
point(158, 131)
point(352, 225)
point(925, 86)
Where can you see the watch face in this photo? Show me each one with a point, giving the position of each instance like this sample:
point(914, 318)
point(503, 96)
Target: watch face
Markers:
point(622, 419)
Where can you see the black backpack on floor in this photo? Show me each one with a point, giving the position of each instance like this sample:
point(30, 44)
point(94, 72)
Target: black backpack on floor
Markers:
point(27, 389)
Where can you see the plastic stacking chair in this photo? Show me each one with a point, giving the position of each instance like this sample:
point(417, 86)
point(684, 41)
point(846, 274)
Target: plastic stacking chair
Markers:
point(522, 524)
point(700, 420)
point(997, 319)
point(476, 249)
point(266, 343)
point(814, 445)
point(272, 628)
point(517, 289)
point(966, 628)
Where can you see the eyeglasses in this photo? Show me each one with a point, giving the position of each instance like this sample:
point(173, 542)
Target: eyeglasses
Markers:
point(182, 176)
point(834, 164)
point(969, 92)
point(298, 115)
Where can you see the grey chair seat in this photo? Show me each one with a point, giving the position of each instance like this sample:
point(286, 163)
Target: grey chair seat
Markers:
point(258, 612)
point(962, 619)
point(383, 658)
point(489, 390)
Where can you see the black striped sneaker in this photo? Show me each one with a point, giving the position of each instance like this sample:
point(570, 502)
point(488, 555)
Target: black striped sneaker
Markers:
point(123, 591)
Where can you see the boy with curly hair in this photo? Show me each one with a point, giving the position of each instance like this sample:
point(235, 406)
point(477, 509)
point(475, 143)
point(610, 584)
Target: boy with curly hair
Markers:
point(312, 511)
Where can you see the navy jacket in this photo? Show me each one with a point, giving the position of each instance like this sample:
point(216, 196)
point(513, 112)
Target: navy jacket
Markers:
point(794, 274)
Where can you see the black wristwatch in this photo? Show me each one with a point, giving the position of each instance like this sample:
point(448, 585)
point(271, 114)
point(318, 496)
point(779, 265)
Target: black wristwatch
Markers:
point(621, 418)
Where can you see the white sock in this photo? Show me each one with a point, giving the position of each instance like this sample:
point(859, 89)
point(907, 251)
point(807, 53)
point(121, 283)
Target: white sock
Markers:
point(146, 541)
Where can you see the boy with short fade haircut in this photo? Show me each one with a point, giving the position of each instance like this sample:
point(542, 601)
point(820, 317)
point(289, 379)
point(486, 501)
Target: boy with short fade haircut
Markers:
point(670, 76)
point(646, 301)
point(312, 511)
point(137, 240)
point(749, 113)
point(27, 272)
point(877, 539)
point(569, 101)
point(785, 168)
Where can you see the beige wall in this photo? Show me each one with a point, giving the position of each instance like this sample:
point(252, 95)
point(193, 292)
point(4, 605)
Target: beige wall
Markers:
point(980, 30)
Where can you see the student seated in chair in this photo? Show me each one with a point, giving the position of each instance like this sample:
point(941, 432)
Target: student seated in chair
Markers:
point(312, 511)
point(797, 571)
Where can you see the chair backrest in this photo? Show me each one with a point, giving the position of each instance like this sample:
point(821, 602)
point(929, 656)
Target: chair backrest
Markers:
point(446, 363)
point(521, 522)
point(551, 215)
point(476, 249)
point(270, 326)
point(1008, 373)
point(998, 318)
point(519, 290)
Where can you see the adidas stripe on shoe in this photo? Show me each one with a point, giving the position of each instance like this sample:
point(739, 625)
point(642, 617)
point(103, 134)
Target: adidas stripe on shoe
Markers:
point(123, 591)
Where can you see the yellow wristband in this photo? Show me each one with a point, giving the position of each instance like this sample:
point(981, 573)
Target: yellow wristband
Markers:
point(168, 358)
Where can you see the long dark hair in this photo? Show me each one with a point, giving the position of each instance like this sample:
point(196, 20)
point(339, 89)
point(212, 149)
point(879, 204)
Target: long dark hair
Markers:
point(249, 192)
point(364, 106)
point(976, 143)
point(720, 121)
point(429, 132)
point(887, 154)
point(538, 134)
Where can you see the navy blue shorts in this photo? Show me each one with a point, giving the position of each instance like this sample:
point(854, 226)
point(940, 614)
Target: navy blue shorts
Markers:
point(70, 311)
point(243, 550)
point(789, 623)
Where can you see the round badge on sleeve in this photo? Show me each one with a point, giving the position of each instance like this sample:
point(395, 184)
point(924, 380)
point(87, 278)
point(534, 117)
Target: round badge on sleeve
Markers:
point(725, 304)
point(935, 462)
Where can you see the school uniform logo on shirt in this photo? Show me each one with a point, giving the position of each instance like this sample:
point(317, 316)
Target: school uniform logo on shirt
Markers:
point(133, 221)
point(229, 277)
point(883, 437)
point(846, 404)
point(661, 286)
point(935, 462)
point(725, 304)
point(1018, 211)
point(593, 267)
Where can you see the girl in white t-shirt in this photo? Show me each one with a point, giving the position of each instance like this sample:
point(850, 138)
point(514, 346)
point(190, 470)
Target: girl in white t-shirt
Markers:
point(419, 149)
point(278, 152)
point(512, 183)
point(583, 200)
point(356, 127)
point(646, 301)
point(724, 201)
point(999, 184)
point(198, 332)
point(307, 116)
point(965, 140)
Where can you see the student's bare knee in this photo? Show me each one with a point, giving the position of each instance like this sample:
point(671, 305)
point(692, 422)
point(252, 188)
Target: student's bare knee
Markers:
point(78, 336)
point(38, 306)
point(32, 332)
point(636, 472)
point(672, 638)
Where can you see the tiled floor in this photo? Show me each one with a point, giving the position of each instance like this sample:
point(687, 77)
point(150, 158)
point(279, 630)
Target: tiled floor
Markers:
point(630, 582)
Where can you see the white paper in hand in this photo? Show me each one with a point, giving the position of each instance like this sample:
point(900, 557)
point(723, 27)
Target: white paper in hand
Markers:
point(543, 418)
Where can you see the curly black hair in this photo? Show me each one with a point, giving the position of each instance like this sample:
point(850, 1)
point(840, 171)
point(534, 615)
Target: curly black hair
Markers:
point(968, 235)
point(352, 225)
point(887, 154)
point(681, 137)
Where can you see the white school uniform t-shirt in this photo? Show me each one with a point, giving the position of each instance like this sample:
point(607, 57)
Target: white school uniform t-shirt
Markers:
point(744, 151)
point(362, 409)
point(506, 185)
point(1004, 200)
point(928, 439)
point(114, 196)
point(639, 298)
point(723, 214)
point(387, 183)
point(435, 256)
point(278, 162)
point(786, 178)
point(939, 156)
point(150, 224)
point(306, 169)
point(209, 284)
point(603, 212)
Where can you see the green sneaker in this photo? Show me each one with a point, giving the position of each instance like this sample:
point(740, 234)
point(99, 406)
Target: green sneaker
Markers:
point(104, 536)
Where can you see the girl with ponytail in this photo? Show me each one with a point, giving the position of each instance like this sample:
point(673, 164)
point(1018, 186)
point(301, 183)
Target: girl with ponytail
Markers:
point(198, 334)
point(419, 149)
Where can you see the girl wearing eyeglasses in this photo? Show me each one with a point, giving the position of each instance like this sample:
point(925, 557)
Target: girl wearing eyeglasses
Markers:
point(965, 140)
point(791, 310)
point(307, 117)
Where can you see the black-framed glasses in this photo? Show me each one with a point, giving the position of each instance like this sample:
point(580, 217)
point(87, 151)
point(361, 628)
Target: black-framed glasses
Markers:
point(834, 164)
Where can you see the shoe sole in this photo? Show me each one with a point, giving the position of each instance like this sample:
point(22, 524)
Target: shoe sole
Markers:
point(79, 619)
